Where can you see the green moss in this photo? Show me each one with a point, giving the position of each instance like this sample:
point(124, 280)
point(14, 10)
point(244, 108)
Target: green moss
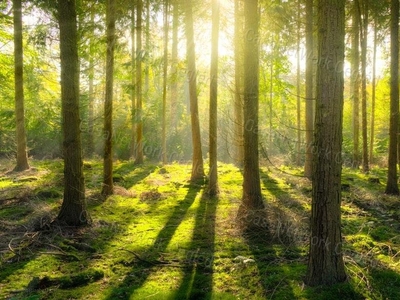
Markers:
point(160, 237)
point(382, 233)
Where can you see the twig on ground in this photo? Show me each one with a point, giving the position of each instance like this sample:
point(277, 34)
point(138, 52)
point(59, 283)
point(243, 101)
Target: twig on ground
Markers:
point(153, 262)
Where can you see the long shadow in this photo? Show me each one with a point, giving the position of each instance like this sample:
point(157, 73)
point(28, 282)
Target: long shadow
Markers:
point(126, 175)
point(20, 260)
point(386, 281)
point(129, 285)
point(10, 265)
point(289, 236)
point(19, 236)
point(284, 197)
point(136, 173)
point(277, 248)
point(197, 281)
point(287, 215)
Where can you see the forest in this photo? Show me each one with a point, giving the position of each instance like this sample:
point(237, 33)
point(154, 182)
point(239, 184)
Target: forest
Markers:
point(215, 149)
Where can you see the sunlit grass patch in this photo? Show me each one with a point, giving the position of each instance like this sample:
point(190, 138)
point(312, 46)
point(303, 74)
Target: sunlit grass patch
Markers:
point(160, 237)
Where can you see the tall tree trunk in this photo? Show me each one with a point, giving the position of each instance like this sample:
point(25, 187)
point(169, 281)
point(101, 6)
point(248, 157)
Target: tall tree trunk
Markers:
point(325, 265)
point(355, 82)
point(147, 50)
point(174, 66)
point(73, 209)
point(238, 104)
point(252, 205)
point(165, 74)
point(271, 93)
point(108, 185)
point(392, 186)
point(22, 155)
point(373, 96)
point(197, 158)
point(90, 143)
point(309, 88)
point(213, 176)
point(139, 56)
point(364, 39)
point(133, 81)
point(298, 88)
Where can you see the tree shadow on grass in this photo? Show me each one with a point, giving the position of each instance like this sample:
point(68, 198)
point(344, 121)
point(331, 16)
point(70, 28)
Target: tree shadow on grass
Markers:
point(128, 286)
point(278, 250)
point(24, 223)
point(132, 174)
point(275, 250)
point(385, 282)
point(282, 195)
point(287, 217)
point(125, 176)
point(288, 225)
point(197, 280)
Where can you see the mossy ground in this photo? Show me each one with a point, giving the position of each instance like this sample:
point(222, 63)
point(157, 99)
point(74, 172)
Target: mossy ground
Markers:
point(160, 237)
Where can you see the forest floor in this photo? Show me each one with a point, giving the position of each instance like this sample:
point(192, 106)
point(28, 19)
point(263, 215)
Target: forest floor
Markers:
point(160, 237)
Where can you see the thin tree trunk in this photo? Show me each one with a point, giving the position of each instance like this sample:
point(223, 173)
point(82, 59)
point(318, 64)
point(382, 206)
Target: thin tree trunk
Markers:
point(108, 185)
point(238, 104)
point(364, 38)
point(325, 265)
point(197, 158)
point(133, 82)
point(298, 88)
point(73, 209)
point(373, 96)
point(392, 186)
point(213, 176)
point(271, 93)
point(90, 144)
point(22, 155)
point(139, 122)
point(147, 50)
point(174, 64)
point(355, 83)
point(309, 89)
point(251, 209)
point(165, 74)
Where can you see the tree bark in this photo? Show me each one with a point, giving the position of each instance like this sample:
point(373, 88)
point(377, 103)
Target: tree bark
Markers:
point(213, 176)
point(165, 74)
point(108, 185)
point(22, 155)
point(364, 39)
point(251, 209)
point(309, 89)
point(90, 143)
point(238, 102)
point(373, 96)
point(197, 158)
point(355, 83)
point(298, 87)
point(73, 210)
point(139, 56)
point(392, 186)
point(174, 67)
point(133, 82)
point(147, 50)
point(325, 265)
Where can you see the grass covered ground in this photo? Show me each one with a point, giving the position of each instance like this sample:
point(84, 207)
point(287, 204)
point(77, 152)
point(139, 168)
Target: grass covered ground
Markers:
point(160, 237)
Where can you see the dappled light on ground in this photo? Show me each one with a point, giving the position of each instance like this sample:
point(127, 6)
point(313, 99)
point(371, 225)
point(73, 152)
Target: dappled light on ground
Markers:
point(162, 237)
